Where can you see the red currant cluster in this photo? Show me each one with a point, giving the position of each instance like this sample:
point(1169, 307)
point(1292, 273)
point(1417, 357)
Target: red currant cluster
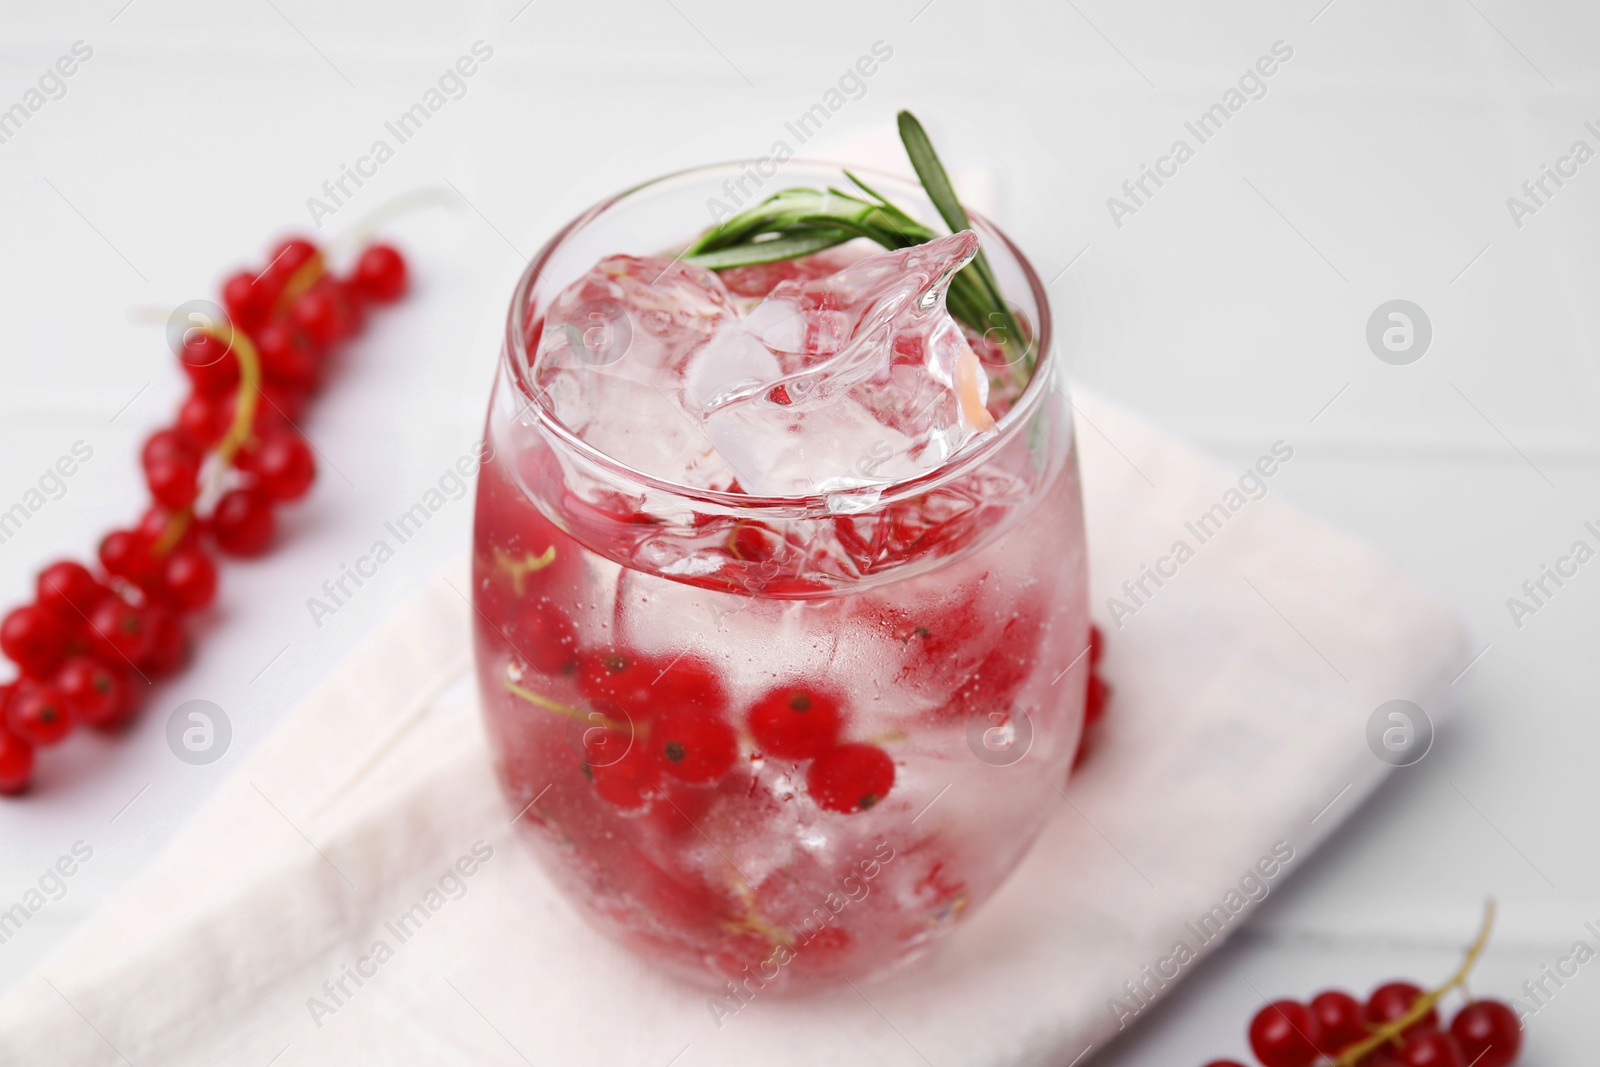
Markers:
point(1286, 1033)
point(1397, 1026)
point(655, 720)
point(215, 478)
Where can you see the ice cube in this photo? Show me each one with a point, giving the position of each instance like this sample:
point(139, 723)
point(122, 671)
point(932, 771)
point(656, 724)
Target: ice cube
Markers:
point(611, 358)
point(854, 379)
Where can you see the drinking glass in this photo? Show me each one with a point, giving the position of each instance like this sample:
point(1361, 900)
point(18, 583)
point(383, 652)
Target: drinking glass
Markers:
point(778, 742)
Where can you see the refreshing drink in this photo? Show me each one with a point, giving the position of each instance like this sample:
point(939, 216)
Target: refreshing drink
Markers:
point(780, 587)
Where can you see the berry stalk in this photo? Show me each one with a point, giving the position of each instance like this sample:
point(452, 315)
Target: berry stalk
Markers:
point(1392, 1032)
point(593, 718)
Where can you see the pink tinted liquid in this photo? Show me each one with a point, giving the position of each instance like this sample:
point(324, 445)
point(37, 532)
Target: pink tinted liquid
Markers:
point(959, 671)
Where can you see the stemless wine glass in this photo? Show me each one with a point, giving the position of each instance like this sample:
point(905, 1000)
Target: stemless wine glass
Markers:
point(778, 741)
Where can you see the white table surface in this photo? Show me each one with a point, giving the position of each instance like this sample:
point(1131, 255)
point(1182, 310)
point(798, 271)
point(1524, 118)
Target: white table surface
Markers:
point(1231, 308)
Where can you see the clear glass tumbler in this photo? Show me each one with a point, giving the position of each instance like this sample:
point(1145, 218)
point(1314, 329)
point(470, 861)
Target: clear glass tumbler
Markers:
point(778, 742)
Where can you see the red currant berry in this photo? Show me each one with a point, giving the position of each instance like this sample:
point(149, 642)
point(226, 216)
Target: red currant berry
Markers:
point(604, 745)
point(1338, 1016)
point(68, 591)
point(288, 357)
point(16, 763)
point(380, 274)
point(796, 722)
point(1489, 1033)
point(189, 579)
point(546, 638)
point(617, 682)
point(1430, 1048)
point(927, 640)
point(279, 407)
point(155, 526)
point(693, 746)
point(170, 647)
point(685, 805)
point(204, 419)
point(994, 684)
point(38, 714)
point(1224, 1063)
point(289, 257)
point(1094, 705)
point(34, 639)
point(242, 523)
point(752, 542)
point(1284, 1034)
point(118, 632)
point(1392, 1001)
point(850, 778)
point(126, 554)
point(282, 264)
point(627, 780)
point(689, 683)
point(319, 314)
point(210, 363)
point(1097, 645)
point(284, 466)
point(94, 693)
point(173, 482)
point(247, 302)
point(167, 444)
point(352, 313)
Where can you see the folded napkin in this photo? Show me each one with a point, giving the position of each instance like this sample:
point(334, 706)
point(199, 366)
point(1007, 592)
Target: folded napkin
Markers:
point(356, 893)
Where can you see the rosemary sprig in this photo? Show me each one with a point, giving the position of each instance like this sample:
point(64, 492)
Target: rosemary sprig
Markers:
point(925, 161)
point(823, 218)
point(799, 222)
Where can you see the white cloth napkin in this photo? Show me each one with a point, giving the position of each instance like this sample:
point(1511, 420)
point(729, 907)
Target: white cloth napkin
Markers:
point(1236, 740)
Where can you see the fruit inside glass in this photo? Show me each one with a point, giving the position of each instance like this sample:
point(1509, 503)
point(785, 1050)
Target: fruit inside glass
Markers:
point(780, 588)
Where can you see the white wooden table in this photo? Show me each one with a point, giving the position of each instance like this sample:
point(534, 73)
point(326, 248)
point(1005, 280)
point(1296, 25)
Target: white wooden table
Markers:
point(1230, 304)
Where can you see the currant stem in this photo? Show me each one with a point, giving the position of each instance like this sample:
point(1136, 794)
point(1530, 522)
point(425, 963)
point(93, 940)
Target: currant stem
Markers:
point(519, 569)
point(1392, 1031)
point(594, 718)
point(244, 411)
point(244, 407)
point(752, 921)
point(172, 533)
point(367, 227)
point(304, 277)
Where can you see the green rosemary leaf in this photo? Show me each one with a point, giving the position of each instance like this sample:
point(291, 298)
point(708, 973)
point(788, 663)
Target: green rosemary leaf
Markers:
point(883, 200)
point(791, 246)
point(869, 190)
point(931, 172)
point(773, 215)
point(967, 302)
point(808, 209)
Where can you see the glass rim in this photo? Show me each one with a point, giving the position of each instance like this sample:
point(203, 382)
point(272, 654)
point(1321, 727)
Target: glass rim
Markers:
point(867, 497)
